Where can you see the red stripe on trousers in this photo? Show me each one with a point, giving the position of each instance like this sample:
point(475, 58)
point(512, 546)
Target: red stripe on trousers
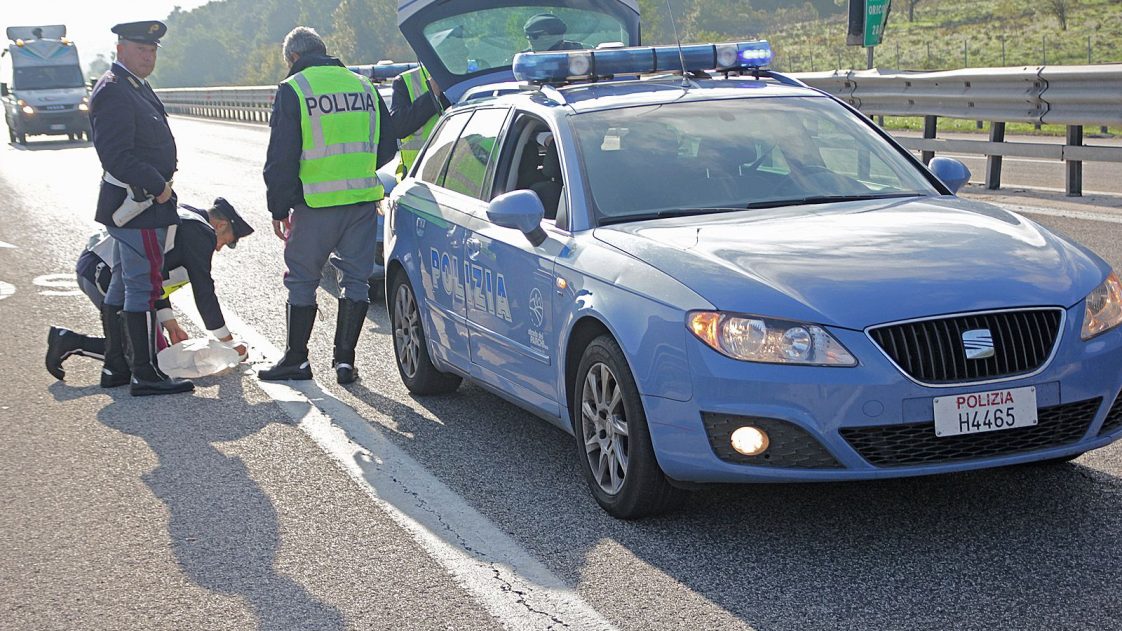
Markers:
point(155, 256)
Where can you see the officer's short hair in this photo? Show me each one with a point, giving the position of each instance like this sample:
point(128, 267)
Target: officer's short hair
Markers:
point(303, 41)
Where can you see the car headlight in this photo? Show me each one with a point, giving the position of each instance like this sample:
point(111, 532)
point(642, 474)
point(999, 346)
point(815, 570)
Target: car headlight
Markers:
point(756, 339)
point(1104, 308)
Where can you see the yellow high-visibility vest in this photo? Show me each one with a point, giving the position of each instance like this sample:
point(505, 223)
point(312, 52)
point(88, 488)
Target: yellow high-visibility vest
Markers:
point(417, 83)
point(340, 126)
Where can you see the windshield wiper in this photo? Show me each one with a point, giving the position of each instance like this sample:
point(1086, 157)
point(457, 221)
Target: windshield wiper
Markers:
point(663, 214)
point(824, 199)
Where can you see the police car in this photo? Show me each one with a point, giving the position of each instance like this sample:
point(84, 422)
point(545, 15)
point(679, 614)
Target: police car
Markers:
point(730, 277)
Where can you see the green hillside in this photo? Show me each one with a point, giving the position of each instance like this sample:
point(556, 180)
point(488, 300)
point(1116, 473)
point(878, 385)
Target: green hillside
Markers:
point(948, 34)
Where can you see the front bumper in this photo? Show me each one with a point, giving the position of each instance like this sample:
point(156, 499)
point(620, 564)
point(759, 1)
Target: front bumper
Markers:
point(871, 421)
point(64, 122)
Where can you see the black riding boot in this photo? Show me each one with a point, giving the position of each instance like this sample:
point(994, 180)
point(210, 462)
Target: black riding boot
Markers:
point(348, 326)
point(294, 365)
point(142, 328)
point(62, 343)
point(115, 370)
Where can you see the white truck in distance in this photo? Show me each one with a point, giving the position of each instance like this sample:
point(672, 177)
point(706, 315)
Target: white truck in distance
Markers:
point(42, 85)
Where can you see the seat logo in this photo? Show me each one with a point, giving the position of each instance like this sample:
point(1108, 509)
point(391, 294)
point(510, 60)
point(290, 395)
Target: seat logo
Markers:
point(978, 343)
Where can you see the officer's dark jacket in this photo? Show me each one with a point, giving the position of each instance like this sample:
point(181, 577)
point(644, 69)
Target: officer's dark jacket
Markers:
point(283, 190)
point(409, 117)
point(134, 144)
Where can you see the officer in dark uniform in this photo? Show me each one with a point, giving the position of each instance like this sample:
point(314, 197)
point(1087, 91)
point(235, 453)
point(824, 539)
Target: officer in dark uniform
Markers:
point(136, 204)
point(546, 31)
point(187, 259)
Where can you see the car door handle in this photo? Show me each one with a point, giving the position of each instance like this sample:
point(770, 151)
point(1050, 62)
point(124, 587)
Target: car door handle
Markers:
point(473, 246)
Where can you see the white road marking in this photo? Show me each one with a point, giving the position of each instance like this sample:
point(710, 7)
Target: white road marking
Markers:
point(4, 244)
point(58, 285)
point(6, 290)
point(513, 586)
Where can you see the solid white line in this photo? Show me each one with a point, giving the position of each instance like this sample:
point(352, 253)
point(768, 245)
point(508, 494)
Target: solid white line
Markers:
point(513, 586)
point(6, 290)
point(6, 245)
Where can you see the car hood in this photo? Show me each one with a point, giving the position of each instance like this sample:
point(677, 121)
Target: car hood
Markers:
point(421, 21)
point(53, 96)
point(856, 264)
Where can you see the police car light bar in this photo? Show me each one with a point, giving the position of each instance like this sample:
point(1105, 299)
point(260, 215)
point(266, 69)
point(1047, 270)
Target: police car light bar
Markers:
point(382, 71)
point(554, 67)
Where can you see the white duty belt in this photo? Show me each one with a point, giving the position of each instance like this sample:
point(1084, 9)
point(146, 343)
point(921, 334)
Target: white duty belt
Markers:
point(129, 208)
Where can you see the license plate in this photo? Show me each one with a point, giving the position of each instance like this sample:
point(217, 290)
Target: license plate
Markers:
point(60, 126)
point(985, 411)
point(55, 108)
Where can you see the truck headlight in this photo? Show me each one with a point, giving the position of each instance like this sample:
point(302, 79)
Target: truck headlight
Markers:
point(24, 107)
point(1104, 308)
point(767, 340)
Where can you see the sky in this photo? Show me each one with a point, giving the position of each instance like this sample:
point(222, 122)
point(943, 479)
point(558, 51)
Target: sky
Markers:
point(88, 22)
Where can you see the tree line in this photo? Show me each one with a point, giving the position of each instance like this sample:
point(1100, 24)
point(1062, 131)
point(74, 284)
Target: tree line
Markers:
point(238, 42)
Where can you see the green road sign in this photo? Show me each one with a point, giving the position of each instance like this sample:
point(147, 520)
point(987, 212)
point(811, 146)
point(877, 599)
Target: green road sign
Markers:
point(876, 17)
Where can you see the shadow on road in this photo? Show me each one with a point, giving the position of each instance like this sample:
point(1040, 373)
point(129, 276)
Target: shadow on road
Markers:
point(51, 145)
point(223, 528)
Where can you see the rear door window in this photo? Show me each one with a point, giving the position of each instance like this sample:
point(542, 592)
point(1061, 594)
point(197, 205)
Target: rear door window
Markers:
point(474, 153)
point(431, 167)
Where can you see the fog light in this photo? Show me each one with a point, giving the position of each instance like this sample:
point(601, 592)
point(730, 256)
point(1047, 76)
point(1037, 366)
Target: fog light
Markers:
point(750, 441)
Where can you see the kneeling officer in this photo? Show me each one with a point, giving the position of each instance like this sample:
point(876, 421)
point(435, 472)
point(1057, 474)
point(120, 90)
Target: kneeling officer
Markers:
point(188, 250)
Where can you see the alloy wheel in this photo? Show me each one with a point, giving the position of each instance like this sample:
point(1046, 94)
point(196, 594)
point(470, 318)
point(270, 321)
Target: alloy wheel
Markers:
point(604, 428)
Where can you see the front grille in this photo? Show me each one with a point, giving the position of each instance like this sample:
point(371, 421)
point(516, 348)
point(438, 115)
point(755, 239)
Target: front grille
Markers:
point(916, 443)
point(933, 351)
point(791, 447)
point(1113, 419)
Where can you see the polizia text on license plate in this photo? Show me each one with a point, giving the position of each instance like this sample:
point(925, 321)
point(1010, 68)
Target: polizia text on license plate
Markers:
point(979, 412)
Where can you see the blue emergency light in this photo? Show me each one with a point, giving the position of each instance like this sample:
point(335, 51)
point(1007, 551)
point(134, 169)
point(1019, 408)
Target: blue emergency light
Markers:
point(554, 67)
point(383, 71)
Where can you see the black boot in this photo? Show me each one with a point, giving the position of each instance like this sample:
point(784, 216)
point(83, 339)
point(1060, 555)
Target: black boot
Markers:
point(348, 326)
point(62, 343)
point(115, 369)
point(142, 328)
point(294, 365)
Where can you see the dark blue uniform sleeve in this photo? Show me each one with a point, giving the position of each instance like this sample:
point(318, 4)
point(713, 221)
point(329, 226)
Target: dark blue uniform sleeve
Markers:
point(387, 139)
point(114, 136)
point(198, 244)
point(409, 117)
point(282, 160)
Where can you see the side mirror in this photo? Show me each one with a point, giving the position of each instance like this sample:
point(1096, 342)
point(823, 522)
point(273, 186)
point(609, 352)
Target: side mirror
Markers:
point(951, 172)
point(521, 210)
point(3, 89)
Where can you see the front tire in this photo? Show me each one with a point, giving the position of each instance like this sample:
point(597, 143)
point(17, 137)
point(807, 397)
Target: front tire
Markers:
point(410, 347)
point(613, 440)
point(21, 138)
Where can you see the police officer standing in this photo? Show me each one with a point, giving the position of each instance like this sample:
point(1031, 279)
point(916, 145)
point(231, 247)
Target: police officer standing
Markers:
point(136, 204)
point(329, 133)
point(416, 106)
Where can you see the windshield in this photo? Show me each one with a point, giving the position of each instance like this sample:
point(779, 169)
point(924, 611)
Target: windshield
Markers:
point(491, 38)
point(47, 77)
point(744, 153)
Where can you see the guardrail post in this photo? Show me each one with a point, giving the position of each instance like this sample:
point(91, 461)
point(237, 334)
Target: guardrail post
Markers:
point(993, 163)
point(929, 126)
point(1074, 183)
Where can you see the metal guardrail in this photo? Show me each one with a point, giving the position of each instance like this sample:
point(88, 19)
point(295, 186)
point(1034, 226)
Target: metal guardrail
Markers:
point(252, 104)
point(1074, 96)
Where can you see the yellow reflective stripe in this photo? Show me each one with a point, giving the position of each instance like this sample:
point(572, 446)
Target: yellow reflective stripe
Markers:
point(316, 128)
point(338, 150)
point(334, 186)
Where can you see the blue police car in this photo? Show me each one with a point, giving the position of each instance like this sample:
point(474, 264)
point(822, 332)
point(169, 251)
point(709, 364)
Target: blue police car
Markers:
point(729, 277)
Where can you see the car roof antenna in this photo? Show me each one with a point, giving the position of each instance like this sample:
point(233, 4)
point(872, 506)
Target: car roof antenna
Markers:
point(681, 55)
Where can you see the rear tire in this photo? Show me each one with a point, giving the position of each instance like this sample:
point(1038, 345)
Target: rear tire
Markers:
point(410, 348)
point(612, 438)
